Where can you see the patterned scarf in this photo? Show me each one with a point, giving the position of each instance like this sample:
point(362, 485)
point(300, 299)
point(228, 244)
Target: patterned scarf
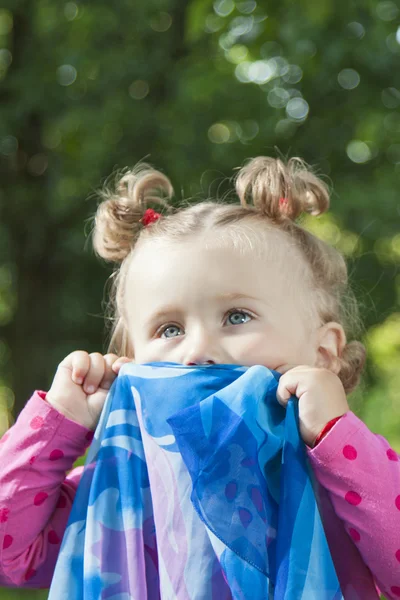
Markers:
point(195, 487)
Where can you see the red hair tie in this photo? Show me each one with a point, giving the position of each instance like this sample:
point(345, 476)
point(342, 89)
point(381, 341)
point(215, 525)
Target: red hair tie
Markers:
point(150, 216)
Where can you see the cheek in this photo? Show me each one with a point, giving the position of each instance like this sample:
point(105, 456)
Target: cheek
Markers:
point(296, 348)
point(257, 347)
point(271, 348)
point(149, 352)
point(143, 355)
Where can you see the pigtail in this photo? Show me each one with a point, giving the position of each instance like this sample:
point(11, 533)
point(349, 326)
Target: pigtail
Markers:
point(281, 191)
point(351, 365)
point(118, 220)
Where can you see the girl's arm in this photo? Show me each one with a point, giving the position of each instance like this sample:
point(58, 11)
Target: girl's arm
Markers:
point(361, 473)
point(35, 494)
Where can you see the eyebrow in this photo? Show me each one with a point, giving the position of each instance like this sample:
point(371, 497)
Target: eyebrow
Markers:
point(235, 296)
point(167, 310)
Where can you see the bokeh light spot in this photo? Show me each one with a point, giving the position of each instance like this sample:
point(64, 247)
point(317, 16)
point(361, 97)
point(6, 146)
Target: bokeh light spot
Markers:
point(7, 397)
point(348, 79)
point(387, 10)
point(66, 75)
point(162, 22)
point(139, 89)
point(348, 243)
point(393, 43)
point(261, 71)
point(5, 58)
point(71, 11)
point(241, 26)
point(223, 8)
point(226, 40)
point(8, 145)
point(37, 164)
point(396, 245)
point(246, 7)
point(297, 109)
point(237, 54)
point(293, 74)
point(356, 30)
point(249, 129)
point(6, 22)
point(358, 151)
point(391, 97)
point(213, 23)
point(242, 72)
point(278, 97)
point(219, 133)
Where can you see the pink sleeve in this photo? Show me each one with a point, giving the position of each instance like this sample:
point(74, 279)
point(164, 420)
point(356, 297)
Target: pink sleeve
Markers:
point(35, 494)
point(362, 475)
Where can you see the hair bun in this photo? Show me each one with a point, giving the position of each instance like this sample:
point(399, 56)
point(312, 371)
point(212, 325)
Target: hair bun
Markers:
point(143, 185)
point(117, 222)
point(281, 190)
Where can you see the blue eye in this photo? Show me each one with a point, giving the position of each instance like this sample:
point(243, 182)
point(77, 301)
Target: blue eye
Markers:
point(166, 329)
point(236, 317)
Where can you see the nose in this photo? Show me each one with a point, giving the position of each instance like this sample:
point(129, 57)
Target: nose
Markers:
point(202, 350)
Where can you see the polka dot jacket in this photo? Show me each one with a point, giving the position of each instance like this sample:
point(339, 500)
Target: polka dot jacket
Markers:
point(357, 484)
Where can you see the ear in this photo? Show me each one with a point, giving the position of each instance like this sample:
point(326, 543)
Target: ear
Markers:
point(331, 339)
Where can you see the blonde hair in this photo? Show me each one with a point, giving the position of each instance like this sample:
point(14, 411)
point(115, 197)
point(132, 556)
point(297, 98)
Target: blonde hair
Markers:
point(270, 192)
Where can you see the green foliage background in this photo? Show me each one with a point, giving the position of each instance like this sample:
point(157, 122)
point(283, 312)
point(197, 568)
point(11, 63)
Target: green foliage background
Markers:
point(199, 87)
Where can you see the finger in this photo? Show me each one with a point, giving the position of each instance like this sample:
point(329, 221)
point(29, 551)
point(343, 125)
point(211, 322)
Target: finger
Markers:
point(109, 375)
point(283, 395)
point(95, 374)
point(288, 386)
point(110, 358)
point(80, 364)
point(294, 383)
point(119, 362)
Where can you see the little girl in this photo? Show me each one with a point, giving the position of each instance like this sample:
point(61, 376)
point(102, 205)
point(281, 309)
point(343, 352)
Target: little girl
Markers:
point(182, 279)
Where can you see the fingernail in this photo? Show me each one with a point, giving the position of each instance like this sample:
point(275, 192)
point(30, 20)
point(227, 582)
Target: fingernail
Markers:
point(90, 389)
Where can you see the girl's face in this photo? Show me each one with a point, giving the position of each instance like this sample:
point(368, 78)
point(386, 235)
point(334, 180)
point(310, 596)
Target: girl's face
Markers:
point(191, 305)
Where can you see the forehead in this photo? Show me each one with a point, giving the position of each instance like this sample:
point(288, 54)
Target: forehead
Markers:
point(238, 260)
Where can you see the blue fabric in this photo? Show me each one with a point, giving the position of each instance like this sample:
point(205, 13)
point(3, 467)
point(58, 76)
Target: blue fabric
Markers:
point(195, 487)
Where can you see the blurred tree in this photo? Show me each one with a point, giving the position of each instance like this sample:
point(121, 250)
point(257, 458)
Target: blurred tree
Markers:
point(199, 87)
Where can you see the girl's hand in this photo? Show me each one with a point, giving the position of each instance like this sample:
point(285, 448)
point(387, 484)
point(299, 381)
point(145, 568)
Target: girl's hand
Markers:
point(321, 397)
point(81, 385)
